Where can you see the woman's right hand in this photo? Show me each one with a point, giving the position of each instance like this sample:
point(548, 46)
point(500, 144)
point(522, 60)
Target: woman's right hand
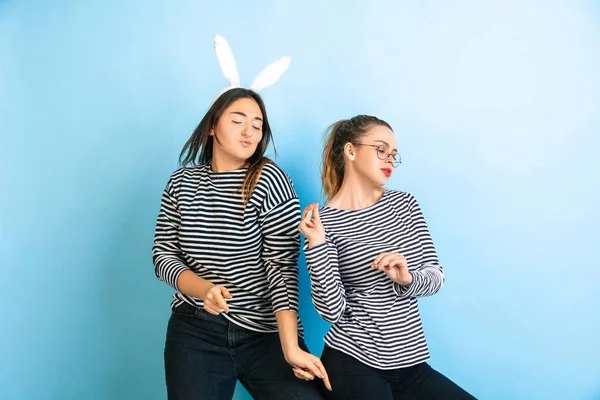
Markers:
point(214, 300)
point(311, 226)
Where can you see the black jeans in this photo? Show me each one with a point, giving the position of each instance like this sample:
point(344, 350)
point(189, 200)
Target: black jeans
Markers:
point(206, 354)
point(352, 380)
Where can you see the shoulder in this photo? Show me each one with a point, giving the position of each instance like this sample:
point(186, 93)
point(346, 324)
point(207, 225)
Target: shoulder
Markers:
point(400, 196)
point(184, 176)
point(273, 175)
point(275, 182)
point(402, 202)
point(273, 188)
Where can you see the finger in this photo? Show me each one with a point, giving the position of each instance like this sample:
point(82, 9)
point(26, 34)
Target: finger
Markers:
point(316, 216)
point(300, 376)
point(376, 266)
point(305, 212)
point(304, 374)
point(385, 260)
point(225, 293)
point(220, 302)
point(210, 309)
point(301, 225)
point(378, 258)
point(211, 301)
point(313, 369)
point(397, 263)
point(327, 383)
point(297, 375)
point(307, 222)
point(323, 374)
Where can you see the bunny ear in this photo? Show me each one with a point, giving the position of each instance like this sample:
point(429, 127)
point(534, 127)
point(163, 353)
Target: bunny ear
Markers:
point(226, 60)
point(270, 74)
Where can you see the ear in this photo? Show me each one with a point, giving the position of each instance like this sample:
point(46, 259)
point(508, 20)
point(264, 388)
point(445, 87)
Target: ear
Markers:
point(211, 132)
point(349, 151)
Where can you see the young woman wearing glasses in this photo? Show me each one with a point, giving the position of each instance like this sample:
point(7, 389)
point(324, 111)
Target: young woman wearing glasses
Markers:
point(370, 256)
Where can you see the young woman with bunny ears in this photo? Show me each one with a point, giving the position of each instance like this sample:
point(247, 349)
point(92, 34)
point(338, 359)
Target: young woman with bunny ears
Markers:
point(226, 240)
point(370, 256)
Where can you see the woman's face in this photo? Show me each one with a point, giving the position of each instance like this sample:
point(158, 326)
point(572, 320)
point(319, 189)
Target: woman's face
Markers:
point(373, 156)
point(238, 131)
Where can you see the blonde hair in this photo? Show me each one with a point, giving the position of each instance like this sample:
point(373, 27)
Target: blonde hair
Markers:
point(336, 137)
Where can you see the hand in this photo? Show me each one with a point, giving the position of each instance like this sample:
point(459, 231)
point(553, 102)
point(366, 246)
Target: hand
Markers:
point(311, 226)
point(214, 300)
point(306, 366)
point(395, 267)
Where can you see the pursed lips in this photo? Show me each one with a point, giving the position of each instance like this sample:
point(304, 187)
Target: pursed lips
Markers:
point(387, 171)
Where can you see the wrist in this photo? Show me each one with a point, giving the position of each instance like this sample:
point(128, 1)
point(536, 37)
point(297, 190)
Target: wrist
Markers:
point(405, 280)
point(289, 348)
point(205, 289)
point(316, 242)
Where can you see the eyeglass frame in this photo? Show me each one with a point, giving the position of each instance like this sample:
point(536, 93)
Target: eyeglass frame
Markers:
point(395, 163)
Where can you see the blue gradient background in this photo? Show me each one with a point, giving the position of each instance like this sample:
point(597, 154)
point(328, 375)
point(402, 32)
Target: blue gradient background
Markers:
point(497, 110)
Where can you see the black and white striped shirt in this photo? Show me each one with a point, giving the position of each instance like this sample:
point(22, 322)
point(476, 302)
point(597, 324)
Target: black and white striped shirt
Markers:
point(374, 319)
point(253, 251)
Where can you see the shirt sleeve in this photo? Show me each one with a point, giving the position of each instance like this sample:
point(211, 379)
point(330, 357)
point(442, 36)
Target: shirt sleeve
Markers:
point(327, 290)
point(280, 217)
point(428, 276)
point(166, 252)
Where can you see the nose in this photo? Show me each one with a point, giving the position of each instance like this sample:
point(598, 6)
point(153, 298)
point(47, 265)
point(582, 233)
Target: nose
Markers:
point(247, 131)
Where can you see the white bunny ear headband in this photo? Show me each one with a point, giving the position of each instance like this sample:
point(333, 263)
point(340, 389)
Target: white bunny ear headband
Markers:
point(264, 79)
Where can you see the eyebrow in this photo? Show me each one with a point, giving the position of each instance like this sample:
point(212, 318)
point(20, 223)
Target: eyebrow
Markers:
point(387, 144)
point(244, 115)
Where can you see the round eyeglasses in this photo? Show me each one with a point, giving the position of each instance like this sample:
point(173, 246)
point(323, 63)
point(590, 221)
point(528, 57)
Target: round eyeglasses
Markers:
point(383, 152)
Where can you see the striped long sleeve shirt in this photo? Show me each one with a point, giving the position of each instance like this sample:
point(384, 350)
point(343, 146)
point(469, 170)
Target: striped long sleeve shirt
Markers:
point(204, 227)
point(374, 319)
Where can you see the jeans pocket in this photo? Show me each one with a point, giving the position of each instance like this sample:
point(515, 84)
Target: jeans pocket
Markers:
point(185, 309)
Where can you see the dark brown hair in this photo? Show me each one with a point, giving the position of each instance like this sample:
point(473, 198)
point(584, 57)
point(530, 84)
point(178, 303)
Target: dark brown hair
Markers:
point(199, 147)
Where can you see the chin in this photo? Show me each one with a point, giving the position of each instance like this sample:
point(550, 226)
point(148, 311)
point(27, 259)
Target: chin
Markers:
point(379, 182)
point(384, 181)
point(243, 156)
point(247, 155)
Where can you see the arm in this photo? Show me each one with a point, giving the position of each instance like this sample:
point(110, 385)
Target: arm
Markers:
point(281, 245)
point(428, 277)
point(167, 256)
point(280, 253)
point(166, 252)
point(327, 290)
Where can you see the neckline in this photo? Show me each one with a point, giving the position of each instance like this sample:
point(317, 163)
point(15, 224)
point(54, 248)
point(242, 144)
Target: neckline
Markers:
point(225, 173)
point(368, 208)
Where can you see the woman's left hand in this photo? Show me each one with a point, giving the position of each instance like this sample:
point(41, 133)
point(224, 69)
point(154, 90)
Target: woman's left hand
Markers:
point(395, 267)
point(306, 366)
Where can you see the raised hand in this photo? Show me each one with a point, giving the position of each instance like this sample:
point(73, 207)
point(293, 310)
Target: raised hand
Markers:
point(311, 226)
point(395, 267)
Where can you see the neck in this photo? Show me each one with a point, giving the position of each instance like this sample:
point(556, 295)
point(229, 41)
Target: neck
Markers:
point(225, 164)
point(356, 193)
